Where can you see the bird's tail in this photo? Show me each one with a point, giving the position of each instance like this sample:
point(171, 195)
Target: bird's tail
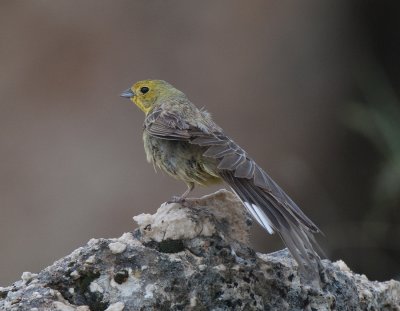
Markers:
point(276, 212)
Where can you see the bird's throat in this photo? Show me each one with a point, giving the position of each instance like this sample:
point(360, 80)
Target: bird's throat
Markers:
point(141, 106)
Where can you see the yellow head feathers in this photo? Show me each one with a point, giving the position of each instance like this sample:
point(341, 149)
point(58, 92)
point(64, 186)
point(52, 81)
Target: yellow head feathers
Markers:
point(146, 93)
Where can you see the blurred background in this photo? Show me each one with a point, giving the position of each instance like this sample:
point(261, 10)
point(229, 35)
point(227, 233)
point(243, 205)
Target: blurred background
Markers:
point(310, 89)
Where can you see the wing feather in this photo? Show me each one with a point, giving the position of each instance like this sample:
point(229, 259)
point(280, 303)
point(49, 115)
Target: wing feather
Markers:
point(231, 161)
point(262, 197)
point(217, 151)
point(245, 170)
point(230, 156)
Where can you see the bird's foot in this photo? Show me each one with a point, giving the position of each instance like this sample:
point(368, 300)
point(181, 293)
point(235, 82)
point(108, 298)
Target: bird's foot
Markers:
point(185, 202)
point(182, 199)
point(176, 199)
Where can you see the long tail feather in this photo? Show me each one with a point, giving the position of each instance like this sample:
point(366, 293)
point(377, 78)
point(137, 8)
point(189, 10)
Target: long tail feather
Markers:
point(295, 229)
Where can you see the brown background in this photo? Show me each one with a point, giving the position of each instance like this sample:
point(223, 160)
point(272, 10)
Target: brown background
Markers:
point(276, 75)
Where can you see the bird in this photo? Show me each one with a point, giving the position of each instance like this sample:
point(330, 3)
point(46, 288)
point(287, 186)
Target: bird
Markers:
point(184, 142)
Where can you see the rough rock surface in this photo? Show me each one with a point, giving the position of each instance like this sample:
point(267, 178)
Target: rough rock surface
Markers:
point(191, 258)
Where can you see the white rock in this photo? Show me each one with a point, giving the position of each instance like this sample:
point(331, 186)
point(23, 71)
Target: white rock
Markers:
point(175, 222)
point(75, 275)
point(62, 306)
point(91, 259)
point(27, 276)
point(95, 287)
point(193, 301)
point(220, 267)
point(92, 242)
point(149, 290)
point(342, 266)
point(117, 247)
point(118, 306)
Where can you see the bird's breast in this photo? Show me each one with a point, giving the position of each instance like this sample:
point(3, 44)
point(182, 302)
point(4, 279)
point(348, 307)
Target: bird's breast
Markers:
point(181, 160)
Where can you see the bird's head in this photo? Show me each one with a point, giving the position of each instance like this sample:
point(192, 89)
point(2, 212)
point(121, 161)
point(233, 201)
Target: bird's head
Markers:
point(147, 93)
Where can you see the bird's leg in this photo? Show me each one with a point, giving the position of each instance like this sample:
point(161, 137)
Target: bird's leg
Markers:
point(181, 199)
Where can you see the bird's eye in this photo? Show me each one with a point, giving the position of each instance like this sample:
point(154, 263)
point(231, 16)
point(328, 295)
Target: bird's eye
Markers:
point(144, 89)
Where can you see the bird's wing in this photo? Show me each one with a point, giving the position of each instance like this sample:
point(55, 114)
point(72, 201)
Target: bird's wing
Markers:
point(231, 157)
point(168, 125)
point(273, 209)
point(263, 198)
point(234, 161)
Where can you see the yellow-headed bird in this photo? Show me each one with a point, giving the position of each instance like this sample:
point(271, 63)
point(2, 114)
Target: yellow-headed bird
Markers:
point(184, 141)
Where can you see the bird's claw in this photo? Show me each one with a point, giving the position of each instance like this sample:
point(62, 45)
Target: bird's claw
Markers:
point(178, 200)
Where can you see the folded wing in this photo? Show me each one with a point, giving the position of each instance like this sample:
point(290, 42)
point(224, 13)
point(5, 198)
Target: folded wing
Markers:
point(269, 205)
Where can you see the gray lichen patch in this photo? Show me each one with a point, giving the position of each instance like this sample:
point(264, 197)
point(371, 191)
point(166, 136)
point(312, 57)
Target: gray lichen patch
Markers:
point(192, 257)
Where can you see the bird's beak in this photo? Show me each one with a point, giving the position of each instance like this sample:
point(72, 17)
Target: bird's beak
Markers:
point(127, 93)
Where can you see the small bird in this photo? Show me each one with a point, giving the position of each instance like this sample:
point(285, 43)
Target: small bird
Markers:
point(183, 141)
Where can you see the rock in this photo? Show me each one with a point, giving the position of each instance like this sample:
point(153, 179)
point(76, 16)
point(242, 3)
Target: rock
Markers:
point(192, 257)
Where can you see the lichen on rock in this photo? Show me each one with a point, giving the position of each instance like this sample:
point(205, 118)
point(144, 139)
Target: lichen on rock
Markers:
point(191, 257)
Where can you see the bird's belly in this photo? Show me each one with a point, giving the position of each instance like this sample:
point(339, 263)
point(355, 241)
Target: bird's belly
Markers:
point(181, 160)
